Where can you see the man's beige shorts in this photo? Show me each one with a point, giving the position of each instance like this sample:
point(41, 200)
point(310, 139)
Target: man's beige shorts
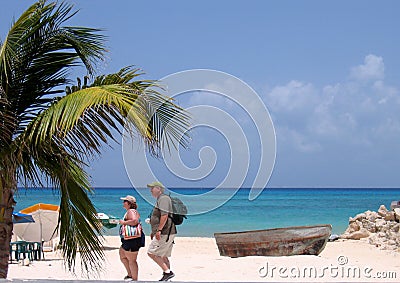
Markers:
point(162, 247)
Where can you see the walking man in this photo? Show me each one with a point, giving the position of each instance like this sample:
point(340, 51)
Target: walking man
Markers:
point(163, 231)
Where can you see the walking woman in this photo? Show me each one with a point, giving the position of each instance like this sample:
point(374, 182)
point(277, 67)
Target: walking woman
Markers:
point(129, 249)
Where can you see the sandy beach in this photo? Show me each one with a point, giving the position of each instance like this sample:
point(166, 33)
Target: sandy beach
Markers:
point(197, 259)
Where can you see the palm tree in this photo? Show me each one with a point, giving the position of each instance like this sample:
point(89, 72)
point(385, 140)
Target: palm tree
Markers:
point(50, 131)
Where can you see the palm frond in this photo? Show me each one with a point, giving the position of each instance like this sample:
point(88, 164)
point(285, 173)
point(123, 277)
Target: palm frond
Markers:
point(80, 230)
point(83, 120)
point(7, 121)
point(38, 53)
point(9, 46)
point(168, 122)
point(84, 117)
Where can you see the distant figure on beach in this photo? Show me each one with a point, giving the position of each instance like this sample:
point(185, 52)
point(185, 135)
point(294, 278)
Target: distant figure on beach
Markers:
point(163, 231)
point(129, 249)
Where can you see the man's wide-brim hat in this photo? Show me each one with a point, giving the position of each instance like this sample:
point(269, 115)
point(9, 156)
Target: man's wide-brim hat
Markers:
point(156, 184)
point(129, 198)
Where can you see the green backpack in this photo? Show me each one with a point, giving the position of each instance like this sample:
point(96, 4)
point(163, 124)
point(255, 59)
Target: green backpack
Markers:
point(179, 211)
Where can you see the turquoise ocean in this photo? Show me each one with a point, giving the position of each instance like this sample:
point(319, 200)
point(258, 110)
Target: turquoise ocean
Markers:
point(275, 207)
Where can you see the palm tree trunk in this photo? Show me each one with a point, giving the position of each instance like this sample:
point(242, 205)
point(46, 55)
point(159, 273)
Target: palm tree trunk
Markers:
point(8, 185)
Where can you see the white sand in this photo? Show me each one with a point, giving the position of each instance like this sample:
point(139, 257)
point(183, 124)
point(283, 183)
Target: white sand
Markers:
point(197, 259)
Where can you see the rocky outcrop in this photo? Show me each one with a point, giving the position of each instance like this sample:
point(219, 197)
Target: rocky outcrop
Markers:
point(381, 228)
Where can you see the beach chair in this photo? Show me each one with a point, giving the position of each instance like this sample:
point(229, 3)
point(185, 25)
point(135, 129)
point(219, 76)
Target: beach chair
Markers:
point(36, 250)
point(21, 250)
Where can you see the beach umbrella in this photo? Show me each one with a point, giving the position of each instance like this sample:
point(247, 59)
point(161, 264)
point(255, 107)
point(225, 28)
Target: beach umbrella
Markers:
point(43, 229)
point(18, 217)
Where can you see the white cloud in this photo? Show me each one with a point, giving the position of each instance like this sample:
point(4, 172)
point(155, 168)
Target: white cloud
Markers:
point(372, 69)
point(294, 96)
point(345, 113)
point(386, 93)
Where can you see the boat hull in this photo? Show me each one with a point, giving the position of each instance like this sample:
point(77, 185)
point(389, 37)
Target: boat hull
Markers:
point(108, 221)
point(300, 240)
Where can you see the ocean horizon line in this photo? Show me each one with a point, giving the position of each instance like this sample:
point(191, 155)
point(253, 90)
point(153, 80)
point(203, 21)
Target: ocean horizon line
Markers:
point(274, 207)
point(230, 188)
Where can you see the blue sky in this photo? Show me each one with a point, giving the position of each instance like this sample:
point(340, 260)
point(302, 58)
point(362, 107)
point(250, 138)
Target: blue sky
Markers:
point(328, 72)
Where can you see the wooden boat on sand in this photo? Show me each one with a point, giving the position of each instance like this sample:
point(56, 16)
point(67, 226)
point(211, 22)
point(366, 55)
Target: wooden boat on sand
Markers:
point(300, 240)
